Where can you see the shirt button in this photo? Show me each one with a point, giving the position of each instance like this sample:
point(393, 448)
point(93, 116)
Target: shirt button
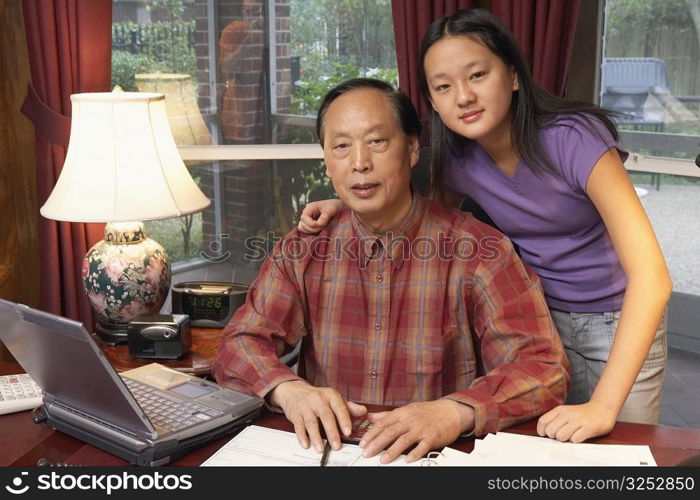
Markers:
point(378, 325)
point(380, 278)
point(373, 374)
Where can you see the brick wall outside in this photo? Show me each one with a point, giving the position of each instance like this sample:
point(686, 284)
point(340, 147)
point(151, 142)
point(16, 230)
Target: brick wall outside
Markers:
point(241, 40)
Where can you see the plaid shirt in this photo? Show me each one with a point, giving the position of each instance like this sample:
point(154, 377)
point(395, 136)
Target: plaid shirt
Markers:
point(441, 307)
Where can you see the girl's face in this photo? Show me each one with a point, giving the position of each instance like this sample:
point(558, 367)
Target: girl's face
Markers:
point(470, 87)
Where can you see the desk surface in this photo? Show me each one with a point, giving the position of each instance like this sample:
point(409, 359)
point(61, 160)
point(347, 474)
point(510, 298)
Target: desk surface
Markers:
point(23, 443)
point(205, 344)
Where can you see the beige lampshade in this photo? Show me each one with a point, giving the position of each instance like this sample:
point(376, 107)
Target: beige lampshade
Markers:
point(122, 163)
point(184, 115)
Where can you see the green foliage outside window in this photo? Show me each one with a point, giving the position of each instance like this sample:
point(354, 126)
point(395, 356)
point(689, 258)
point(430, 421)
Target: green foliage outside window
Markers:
point(165, 47)
point(336, 40)
point(321, 75)
point(646, 15)
point(125, 65)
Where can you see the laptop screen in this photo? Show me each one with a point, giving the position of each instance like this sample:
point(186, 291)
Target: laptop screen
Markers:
point(59, 354)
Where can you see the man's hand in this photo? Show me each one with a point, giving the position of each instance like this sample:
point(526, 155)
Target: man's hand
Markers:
point(576, 423)
point(430, 425)
point(304, 405)
point(317, 214)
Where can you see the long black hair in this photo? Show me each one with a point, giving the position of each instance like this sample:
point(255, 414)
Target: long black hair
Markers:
point(532, 107)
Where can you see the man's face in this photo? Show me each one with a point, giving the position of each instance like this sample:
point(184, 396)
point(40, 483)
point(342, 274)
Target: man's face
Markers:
point(368, 157)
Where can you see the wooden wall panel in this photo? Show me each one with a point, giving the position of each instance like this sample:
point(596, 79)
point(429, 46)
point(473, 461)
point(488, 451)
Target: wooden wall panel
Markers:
point(584, 64)
point(19, 258)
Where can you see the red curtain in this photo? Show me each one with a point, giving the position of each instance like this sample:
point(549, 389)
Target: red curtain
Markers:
point(411, 19)
point(545, 30)
point(69, 45)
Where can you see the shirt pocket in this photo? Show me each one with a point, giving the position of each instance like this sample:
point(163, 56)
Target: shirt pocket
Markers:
point(430, 352)
point(423, 356)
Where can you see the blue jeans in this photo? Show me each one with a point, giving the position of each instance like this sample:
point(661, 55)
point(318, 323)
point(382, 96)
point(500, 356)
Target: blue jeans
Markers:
point(587, 339)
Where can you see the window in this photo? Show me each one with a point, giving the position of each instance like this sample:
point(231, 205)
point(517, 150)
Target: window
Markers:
point(247, 73)
point(651, 74)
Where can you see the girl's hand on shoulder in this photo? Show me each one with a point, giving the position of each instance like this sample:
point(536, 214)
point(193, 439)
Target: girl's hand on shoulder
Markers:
point(317, 215)
point(576, 423)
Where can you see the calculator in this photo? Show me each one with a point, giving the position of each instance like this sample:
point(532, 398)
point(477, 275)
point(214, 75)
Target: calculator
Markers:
point(360, 425)
point(18, 393)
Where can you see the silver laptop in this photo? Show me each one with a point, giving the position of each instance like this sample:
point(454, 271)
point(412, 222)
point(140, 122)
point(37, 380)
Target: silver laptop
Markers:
point(149, 415)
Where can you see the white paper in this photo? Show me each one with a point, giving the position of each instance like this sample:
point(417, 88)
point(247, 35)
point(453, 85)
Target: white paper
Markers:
point(261, 446)
point(506, 449)
point(399, 461)
point(585, 453)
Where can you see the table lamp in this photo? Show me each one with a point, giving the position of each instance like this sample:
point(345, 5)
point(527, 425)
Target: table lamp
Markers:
point(122, 167)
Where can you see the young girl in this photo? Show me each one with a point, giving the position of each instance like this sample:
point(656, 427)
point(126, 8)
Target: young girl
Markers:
point(549, 172)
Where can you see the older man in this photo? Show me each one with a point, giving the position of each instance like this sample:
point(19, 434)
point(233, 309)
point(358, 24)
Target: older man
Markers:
point(399, 302)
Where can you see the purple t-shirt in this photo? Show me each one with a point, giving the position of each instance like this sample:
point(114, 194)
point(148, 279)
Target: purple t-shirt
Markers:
point(558, 229)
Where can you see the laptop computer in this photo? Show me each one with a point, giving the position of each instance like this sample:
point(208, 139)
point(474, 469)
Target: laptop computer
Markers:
point(148, 416)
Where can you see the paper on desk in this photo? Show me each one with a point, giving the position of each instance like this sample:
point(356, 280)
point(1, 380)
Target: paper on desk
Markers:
point(505, 449)
point(260, 446)
point(452, 457)
point(399, 461)
point(582, 453)
point(257, 445)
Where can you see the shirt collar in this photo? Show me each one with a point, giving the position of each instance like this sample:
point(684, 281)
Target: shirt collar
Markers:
point(397, 239)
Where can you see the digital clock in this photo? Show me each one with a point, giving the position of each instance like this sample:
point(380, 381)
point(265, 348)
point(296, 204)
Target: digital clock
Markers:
point(209, 304)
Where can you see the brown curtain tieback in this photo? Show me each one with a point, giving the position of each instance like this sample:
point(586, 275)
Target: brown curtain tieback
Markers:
point(51, 125)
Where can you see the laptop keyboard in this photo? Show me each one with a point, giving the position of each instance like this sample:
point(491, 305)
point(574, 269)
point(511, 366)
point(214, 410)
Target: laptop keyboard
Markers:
point(168, 412)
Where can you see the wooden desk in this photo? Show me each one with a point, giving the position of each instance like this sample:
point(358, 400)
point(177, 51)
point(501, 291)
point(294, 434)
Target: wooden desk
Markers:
point(205, 343)
point(23, 443)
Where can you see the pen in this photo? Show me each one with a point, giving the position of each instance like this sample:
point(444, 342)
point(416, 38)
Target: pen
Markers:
point(326, 451)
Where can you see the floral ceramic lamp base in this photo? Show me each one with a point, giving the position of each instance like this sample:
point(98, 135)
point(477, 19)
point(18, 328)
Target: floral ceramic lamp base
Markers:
point(125, 275)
